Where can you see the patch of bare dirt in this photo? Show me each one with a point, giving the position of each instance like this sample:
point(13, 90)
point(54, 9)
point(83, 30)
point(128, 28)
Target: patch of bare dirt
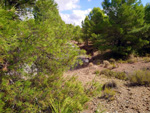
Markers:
point(127, 99)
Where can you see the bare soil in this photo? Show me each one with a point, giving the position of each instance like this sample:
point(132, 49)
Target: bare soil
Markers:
point(128, 99)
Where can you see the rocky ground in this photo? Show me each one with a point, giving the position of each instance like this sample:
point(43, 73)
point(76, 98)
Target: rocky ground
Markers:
point(127, 99)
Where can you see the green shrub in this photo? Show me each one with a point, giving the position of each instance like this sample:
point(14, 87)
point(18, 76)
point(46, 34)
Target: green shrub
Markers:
point(93, 89)
point(121, 61)
point(119, 75)
point(106, 63)
point(110, 84)
point(109, 94)
point(140, 78)
point(146, 59)
point(114, 65)
point(97, 72)
point(112, 60)
point(107, 72)
point(131, 61)
point(43, 45)
point(43, 95)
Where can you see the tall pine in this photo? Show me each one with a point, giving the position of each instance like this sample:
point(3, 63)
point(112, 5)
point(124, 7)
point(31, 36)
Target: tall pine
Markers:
point(124, 16)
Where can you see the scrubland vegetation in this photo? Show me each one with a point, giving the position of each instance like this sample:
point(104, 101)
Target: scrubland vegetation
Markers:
point(35, 52)
point(140, 77)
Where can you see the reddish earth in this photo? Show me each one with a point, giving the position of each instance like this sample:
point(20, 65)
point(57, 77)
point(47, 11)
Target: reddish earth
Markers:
point(126, 100)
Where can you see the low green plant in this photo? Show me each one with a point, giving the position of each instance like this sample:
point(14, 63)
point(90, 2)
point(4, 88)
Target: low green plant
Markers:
point(69, 98)
point(93, 88)
point(114, 65)
point(109, 94)
point(146, 59)
point(41, 94)
point(131, 61)
point(106, 72)
point(97, 72)
point(140, 77)
point(121, 61)
point(98, 63)
point(106, 63)
point(112, 60)
point(119, 75)
point(109, 85)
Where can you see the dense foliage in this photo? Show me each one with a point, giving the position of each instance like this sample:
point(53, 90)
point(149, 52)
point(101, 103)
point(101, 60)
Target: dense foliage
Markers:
point(76, 33)
point(34, 53)
point(122, 26)
point(42, 94)
point(44, 40)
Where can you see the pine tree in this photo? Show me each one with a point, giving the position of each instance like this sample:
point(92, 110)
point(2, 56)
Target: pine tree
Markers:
point(34, 53)
point(124, 16)
point(147, 13)
point(86, 29)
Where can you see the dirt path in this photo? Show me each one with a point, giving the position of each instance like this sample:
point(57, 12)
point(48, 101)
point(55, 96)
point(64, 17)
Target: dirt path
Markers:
point(127, 99)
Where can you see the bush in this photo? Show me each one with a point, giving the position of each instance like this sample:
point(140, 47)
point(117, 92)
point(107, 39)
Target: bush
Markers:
point(112, 60)
point(108, 91)
point(97, 72)
point(107, 72)
point(121, 61)
point(146, 59)
point(140, 77)
point(119, 75)
point(109, 94)
point(109, 85)
point(113, 66)
point(106, 63)
point(131, 61)
point(43, 45)
point(93, 88)
point(41, 94)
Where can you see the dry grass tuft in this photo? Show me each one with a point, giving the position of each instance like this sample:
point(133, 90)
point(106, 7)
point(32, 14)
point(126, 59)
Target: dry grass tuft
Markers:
point(112, 60)
point(131, 61)
point(140, 77)
point(146, 59)
point(106, 63)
